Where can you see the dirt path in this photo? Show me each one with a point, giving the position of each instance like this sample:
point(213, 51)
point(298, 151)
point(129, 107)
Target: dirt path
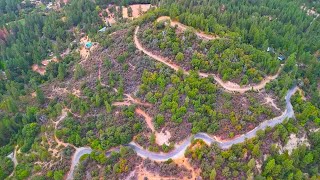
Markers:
point(270, 100)
point(147, 118)
point(162, 137)
point(226, 85)
point(56, 123)
point(137, 101)
point(129, 100)
point(183, 27)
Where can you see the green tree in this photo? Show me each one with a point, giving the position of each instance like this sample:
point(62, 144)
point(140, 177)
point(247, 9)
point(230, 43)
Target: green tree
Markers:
point(159, 120)
point(61, 72)
point(129, 11)
point(58, 175)
point(11, 105)
point(6, 167)
point(179, 57)
point(98, 100)
point(40, 96)
point(107, 106)
point(251, 164)
point(256, 150)
point(213, 174)
point(79, 72)
point(269, 167)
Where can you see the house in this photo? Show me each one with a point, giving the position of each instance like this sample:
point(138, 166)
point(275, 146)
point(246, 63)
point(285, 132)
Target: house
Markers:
point(281, 57)
point(88, 45)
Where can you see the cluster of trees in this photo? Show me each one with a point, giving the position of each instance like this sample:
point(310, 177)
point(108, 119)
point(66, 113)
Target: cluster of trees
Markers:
point(282, 25)
point(114, 165)
point(29, 132)
point(197, 100)
point(306, 112)
point(84, 14)
point(242, 160)
point(230, 58)
point(30, 43)
point(6, 167)
point(11, 11)
point(30, 167)
point(101, 132)
point(270, 24)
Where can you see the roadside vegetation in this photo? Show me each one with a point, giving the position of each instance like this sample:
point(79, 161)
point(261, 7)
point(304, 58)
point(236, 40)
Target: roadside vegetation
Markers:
point(117, 94)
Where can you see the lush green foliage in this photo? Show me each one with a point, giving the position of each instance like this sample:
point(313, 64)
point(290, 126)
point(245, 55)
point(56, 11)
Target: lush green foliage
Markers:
point(182, 103)
point(6, 167)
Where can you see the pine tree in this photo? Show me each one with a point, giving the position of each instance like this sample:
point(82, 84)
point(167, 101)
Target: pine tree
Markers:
point(79, 72)
point(40, 96)
point(11, 105)
point(61, 72)
point(129, 11)
point(108, 107)
point(213, 174)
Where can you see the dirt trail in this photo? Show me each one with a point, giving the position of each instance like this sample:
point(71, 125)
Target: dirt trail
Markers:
point(136, 101)
point(56, 123)
point(233, 87)
point(162, 137)
point(147, 118)
point(183, 27)
point(270, 100)
point(130, 100)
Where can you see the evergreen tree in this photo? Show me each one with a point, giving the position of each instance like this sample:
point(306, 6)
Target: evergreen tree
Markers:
point(79, 72)
point(40, 96)
point(61, 72)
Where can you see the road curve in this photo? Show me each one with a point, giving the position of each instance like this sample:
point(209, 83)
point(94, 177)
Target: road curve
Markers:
point(75, 159)
point(179, 151)
point(226, 85)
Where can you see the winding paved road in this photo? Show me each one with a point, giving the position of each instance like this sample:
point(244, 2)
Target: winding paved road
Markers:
point(226, 85)
point(76, 158)
point(179, 151)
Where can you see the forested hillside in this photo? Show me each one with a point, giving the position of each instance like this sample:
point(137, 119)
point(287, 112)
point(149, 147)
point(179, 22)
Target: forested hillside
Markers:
point(84, 97)
point(281, 25)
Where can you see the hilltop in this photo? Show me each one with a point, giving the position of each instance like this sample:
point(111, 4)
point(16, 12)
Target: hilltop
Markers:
point(177, 90)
